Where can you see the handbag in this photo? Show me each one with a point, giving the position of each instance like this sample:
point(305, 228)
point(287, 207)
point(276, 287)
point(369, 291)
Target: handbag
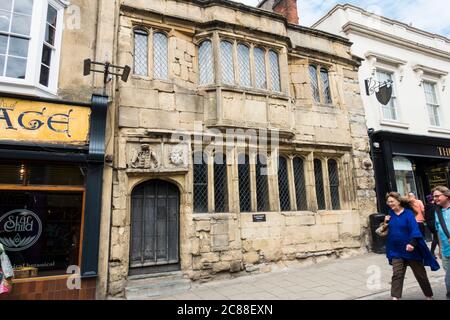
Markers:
point(382, 230)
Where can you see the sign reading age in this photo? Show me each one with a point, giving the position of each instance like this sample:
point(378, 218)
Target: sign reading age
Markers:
point(25, 120)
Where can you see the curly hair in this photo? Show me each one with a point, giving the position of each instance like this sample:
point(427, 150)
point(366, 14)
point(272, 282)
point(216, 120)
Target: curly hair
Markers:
point(404, 202)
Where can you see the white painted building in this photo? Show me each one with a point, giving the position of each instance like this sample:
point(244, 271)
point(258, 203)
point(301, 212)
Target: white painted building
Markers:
point(411, 134)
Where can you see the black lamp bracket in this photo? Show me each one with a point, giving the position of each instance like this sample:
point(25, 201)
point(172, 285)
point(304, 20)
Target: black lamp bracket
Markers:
point(107, 70)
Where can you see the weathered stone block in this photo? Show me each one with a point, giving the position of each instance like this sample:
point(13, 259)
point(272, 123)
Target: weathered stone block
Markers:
point(251, 257)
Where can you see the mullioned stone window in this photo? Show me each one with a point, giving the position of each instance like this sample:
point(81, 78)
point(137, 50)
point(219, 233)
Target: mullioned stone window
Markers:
point(320, 84)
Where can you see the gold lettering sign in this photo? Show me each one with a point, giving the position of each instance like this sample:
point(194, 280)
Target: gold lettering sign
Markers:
point(24, 120)
point(444, 151)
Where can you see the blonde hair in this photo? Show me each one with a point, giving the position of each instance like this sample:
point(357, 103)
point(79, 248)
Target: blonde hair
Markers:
point(444, 190)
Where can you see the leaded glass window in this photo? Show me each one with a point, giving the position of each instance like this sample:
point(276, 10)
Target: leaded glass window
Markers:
point(299, 180)
point(160, 56)
point(333, 175)
point(283, 184)
point(262, 185)
point(245, 195)
point(260, 68)
point(314, 83)
point(244, 65)
point(320, 193)
point(200, 183)
point(140, 52)
point(220, 183)
point(274, 71)
point(205, 63)
point(226, 62)
point(432, 103)
point(325, 85)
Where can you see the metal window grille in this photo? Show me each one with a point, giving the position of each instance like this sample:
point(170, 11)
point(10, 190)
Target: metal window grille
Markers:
point(226, 60)
point(262, 186)
point(160, 56)
point(244, 183)
point(389, 110)
point(325, 85)
point(314, 83)
point(140, 52)
point(283, 184)
point(333, 175)
point(244, 65)
point(432, 103)
point(274, 71)
point(205, 61)
point(260, 68)
point(320, 194)
point(220, 183)
point(299, 180)
point(200, 184)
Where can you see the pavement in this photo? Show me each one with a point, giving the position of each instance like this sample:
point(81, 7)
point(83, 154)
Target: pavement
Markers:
point(365, 277)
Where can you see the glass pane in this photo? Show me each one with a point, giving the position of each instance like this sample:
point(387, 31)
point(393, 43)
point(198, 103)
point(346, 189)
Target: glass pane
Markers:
point(23, 6)
point(320, 193)
point(50, 34)
point(205, 61)
point(244, 183)
point(325, 85)
point(244, 65)
point(300, 187)
point(226, 62)
point(6, 5)
point(140, 52)
point(333, 175)
point(44, 77)
point(45, 174)
point(5, 21)
point(283, 184)
point(220, 184)
point(46, 55)
point(430, 92)
point(274, 71)
point(3, 44)
point(52, 16)
point(21, 24)
point(262, 187)
point(18, 47)
point(314, 83)
point(16, 68)
point(2, 64)
point(11, 173)
point(200, 185)
point(41, 230)
point(260, 68)
point(161, 66)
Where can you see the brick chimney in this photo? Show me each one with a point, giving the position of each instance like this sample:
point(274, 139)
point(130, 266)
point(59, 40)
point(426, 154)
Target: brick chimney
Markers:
point(287, 8)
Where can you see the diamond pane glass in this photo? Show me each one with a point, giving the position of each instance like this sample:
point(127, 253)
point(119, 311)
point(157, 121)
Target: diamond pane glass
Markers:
point(226, 62)
point(244, 183)
point(262, 186)
point(283, 184)
point(389, 110)
point(205, 61)
point(320, 194)
point(325, 85)
point(244, 65)
point(274, 71)
point(200, 184)
point(160, 56)
point(314, 83)
point(299, 180)
point(220, 183)
point(260, 68)
point(334, 184)
point(140, 52)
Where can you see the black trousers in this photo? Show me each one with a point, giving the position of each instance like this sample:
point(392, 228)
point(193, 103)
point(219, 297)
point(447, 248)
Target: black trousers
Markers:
point(398, 277)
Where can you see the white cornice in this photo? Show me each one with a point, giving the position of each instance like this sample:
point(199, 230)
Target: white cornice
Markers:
point(431, 71)
point(384, 58)
point(392, 39)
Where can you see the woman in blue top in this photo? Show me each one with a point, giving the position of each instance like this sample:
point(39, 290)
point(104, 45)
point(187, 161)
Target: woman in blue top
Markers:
point(405, 247)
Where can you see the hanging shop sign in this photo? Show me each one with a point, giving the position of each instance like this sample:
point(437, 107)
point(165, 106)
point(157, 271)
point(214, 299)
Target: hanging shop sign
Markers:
point(19, 229)
point(35, 121)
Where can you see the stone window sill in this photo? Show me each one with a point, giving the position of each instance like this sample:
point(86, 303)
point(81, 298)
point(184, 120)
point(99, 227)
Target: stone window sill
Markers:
point(438, 130)
point(393, 123)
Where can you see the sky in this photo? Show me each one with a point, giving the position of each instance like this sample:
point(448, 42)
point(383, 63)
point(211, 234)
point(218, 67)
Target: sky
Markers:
point(429, 15)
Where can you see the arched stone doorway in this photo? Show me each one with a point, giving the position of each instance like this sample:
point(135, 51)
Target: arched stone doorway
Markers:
point(155, 207)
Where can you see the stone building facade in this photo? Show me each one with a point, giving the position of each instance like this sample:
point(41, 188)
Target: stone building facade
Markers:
point(276, 112)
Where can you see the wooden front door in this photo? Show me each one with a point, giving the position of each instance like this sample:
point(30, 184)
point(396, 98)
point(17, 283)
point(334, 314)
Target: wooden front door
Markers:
point(154, 227)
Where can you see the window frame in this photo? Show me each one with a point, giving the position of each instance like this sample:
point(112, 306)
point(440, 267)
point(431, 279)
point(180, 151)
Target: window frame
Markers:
point(213, 62)
point(31, 83)
point(320, 85)
point(153, 32)
point(147, 33)
point(394, 98)
point(435, 86)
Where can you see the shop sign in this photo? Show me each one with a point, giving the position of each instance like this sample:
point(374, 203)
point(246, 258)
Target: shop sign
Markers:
point(259, 218)
point(25, 120)
point(19, 229)
point(444, 151)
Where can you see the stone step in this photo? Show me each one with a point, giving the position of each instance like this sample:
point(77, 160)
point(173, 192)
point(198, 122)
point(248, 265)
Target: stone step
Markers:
point(140, 288)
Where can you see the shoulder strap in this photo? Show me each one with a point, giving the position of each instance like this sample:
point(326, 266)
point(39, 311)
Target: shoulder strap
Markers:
point(442, 221)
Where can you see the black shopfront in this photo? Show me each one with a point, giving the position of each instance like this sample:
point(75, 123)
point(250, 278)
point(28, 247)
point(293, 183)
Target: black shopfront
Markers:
point(408, 163)
point(51, 176)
